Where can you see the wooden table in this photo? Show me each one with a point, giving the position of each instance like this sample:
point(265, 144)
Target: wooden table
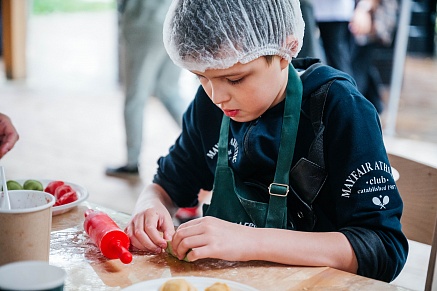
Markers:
point(87, 269)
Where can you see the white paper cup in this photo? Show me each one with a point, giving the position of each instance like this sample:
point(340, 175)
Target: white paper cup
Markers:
point(32, 275)
point(26, 227)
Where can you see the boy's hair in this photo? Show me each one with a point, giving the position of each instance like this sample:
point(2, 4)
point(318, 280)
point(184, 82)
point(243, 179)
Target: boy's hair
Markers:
point(269, 59)
point(216, 34)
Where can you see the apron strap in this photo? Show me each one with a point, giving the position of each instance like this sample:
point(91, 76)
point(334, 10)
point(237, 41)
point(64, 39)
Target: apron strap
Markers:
point(290, 126)
point(276, 216)
point(222, 159)
point(278, 190)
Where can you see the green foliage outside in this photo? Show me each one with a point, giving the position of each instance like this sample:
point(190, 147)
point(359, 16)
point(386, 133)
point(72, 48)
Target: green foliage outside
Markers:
point(69, 6)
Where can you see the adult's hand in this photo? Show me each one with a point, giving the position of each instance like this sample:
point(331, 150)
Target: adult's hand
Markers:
point(361, 22)
point(8, 135)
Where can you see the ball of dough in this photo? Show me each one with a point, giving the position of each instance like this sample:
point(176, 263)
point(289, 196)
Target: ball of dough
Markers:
point(218, 287)
point(177, 285)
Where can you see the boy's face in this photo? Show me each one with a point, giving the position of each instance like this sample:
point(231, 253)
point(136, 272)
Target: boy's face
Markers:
point(245, 91)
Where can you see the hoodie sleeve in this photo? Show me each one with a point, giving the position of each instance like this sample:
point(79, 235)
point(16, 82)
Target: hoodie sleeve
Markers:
point(368, 204)
point(187, 167)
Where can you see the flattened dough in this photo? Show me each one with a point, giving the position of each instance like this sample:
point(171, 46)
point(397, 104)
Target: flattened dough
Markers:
point(169, 250)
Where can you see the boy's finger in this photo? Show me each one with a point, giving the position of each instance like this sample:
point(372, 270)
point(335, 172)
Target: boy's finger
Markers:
point(168, 230)
point(154, 231)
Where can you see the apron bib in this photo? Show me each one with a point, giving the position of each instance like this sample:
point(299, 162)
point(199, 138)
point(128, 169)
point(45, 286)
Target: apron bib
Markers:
point(233, 200)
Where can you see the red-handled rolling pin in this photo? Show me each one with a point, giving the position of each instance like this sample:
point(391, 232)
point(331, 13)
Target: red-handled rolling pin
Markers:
point(105, 233)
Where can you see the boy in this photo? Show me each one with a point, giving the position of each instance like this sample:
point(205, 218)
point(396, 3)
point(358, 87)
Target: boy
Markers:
point(306, 169)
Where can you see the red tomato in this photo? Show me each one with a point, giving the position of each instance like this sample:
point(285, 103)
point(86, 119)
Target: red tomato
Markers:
point(61, 190)
point(51, 187)
point(66, 198)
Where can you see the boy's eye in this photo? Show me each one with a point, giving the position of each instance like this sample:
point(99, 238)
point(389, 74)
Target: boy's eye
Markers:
point(235, 82)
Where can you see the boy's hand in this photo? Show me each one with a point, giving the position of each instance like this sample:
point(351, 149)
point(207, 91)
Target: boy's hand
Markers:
point(150, 229)
point(210, 237)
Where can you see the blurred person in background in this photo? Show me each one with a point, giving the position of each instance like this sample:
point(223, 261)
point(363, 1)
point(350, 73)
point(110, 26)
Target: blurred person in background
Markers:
point(147, 71)
point(333, 17)
point(8, 135)
point(350, 31)
point(311, 41)
point(372, 26)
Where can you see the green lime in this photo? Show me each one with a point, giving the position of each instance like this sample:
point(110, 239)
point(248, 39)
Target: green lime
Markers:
point(13, 185)
point(33, 185)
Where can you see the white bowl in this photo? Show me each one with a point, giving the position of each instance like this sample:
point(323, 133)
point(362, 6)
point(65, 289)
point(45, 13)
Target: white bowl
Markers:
point(31, 275)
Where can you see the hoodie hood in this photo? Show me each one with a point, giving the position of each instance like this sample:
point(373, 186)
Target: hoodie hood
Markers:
point(316, 74)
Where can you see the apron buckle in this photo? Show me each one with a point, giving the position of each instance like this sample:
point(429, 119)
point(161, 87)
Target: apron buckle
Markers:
point(280, 190)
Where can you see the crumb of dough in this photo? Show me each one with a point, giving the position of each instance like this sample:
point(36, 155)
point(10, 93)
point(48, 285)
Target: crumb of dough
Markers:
point(218, 287)
point(177, 285)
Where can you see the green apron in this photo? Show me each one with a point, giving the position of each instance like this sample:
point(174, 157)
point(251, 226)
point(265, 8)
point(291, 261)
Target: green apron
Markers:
point(232, 200)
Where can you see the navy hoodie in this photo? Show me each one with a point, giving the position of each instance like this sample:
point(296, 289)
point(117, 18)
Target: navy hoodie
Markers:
point(359, 198)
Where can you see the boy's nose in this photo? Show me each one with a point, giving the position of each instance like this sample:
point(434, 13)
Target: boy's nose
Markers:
point(219, 96)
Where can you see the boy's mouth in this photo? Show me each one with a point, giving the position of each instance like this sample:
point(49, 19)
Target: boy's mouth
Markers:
point(231, 113)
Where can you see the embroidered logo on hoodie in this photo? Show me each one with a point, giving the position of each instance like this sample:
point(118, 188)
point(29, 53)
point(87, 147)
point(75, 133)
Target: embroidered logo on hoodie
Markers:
point(373, 179)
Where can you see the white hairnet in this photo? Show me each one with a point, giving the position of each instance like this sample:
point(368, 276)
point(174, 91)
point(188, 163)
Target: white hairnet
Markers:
point(216, 34)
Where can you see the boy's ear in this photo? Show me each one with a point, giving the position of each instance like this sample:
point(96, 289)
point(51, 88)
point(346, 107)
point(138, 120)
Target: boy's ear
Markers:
point(283, 63)
point(293, 44)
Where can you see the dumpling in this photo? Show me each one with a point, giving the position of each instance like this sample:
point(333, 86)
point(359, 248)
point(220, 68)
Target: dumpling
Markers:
point(177, 285)
point(218, 287)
